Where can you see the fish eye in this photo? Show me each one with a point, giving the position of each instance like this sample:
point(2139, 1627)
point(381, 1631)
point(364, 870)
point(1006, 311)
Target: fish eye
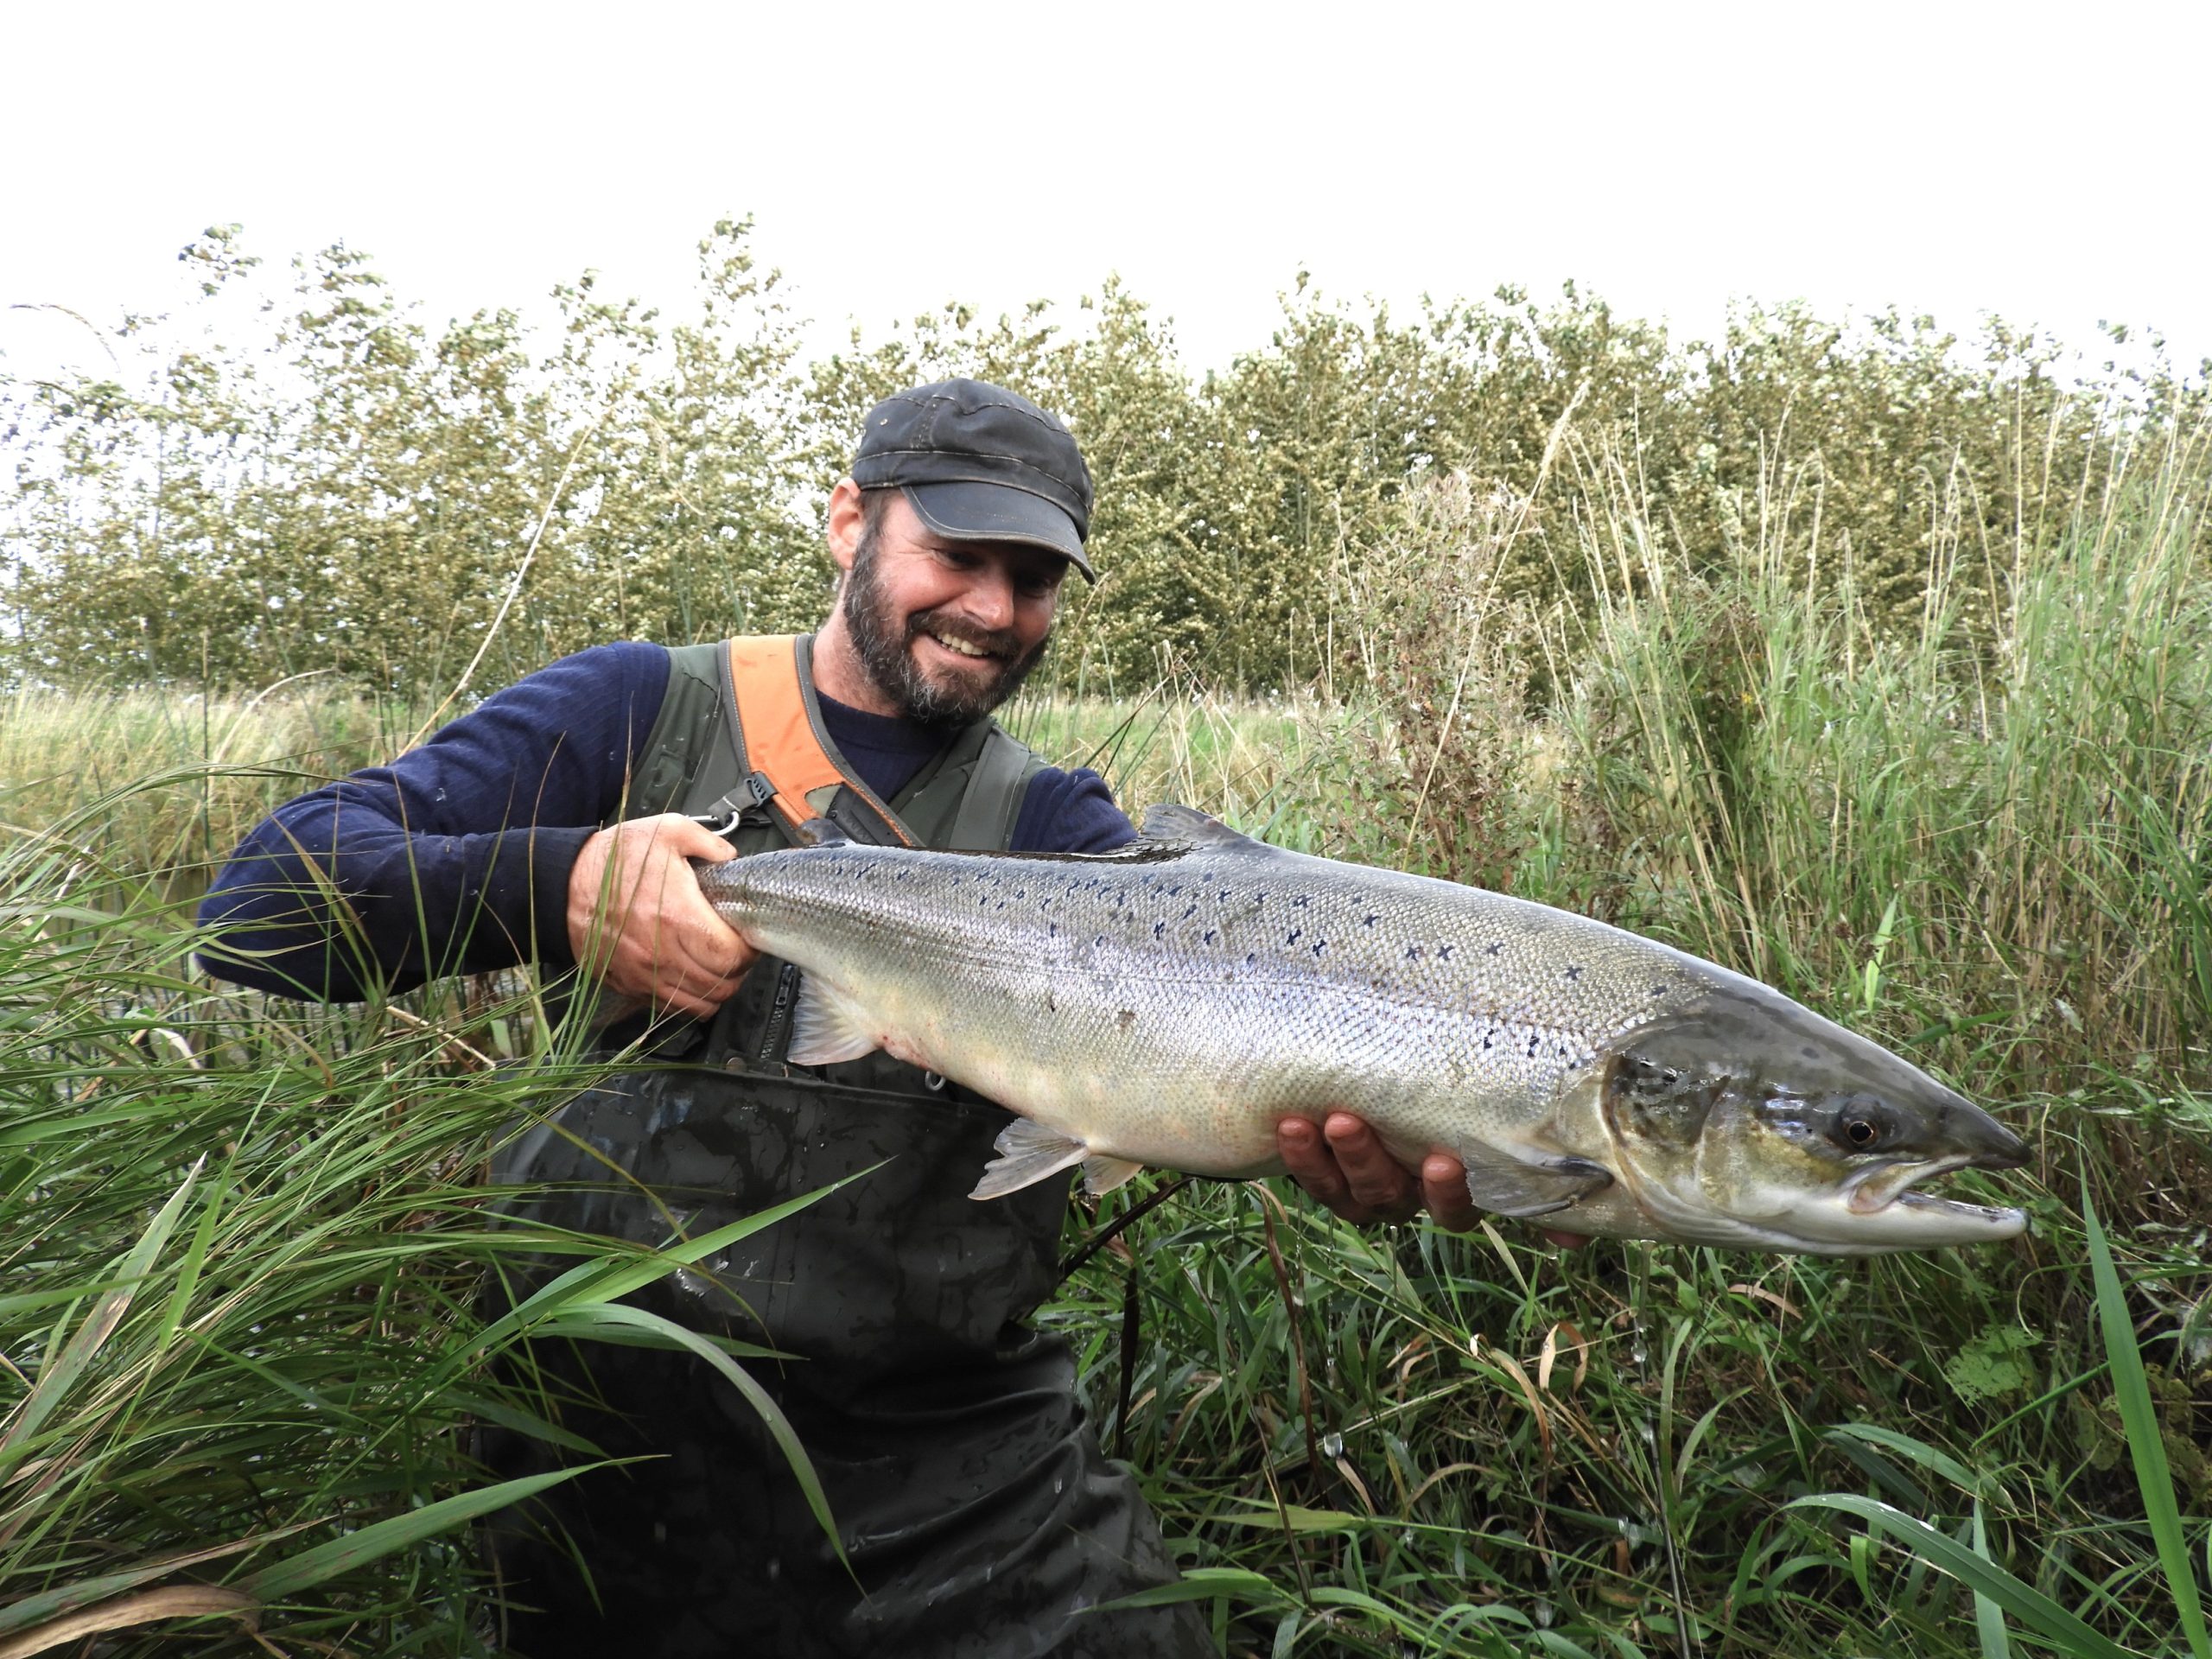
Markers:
point(1863, 1125)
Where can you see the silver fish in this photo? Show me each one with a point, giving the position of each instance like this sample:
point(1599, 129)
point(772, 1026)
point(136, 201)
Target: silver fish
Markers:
point(1169, 1003)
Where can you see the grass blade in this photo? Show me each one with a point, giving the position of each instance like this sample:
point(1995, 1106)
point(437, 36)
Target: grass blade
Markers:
point(2153, 1475)
point(1988, 1617)
point(54, 1378)
point(628, 1322)
point(1947, 1554)
point(310, 1567)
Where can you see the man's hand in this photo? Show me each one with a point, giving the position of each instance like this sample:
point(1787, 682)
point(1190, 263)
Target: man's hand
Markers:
point(1345, 1168)
point(636, 920)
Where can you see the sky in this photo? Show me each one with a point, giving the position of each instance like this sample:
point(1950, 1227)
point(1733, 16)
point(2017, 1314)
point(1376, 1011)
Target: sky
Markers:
point(2053, 166)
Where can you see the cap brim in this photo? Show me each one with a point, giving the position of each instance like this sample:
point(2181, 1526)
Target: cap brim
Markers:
point(968, 511)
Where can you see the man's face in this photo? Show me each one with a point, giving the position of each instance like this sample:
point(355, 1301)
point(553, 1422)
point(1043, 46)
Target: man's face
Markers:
point(947, 630)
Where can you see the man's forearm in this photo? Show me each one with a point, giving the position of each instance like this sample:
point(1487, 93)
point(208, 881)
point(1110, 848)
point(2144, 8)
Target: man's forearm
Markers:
point(331, 898)
point(453, 859)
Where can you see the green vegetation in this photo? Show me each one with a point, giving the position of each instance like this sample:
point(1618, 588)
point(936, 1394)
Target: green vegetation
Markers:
point(1906, 708)
point(332, 485)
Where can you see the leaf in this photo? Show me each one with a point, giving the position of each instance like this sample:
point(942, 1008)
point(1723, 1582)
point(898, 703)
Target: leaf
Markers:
point(601, 1280)
point(2154, 1477)
point(310, 1567)
point(1904, 1445)
point(1945, 1554)
point(1200, 1583)
point(1988, 1617)
point(1268, 1516)
point(55, 1377)
point(1990, 1365)
point(171, 1601)
point(83, 1592)
point(625, 1319)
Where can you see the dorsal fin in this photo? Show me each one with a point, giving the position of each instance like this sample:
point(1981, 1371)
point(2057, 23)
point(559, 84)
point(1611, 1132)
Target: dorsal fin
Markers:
point(1176, 825)
point(820, 832)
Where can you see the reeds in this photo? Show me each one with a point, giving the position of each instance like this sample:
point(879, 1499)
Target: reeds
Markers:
point(1983, 838)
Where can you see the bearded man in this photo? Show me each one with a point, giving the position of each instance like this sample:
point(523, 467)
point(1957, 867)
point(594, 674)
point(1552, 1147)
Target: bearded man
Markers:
point(555, 823)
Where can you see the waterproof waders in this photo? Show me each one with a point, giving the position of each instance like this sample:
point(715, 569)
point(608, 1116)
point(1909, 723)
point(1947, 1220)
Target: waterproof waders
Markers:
point(978, 1512)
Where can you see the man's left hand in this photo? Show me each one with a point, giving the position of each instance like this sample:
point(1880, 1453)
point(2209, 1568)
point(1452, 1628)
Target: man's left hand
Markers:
point(1345, 1167)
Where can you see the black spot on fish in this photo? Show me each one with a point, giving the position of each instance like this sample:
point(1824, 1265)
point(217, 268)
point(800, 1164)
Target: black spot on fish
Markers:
point(1574, 973)
point(1292, 939)
point(1101, 939)
point(1658, 991)
point(1210, 935)
point(1412, 953)
point(1492, 949)
point(1487, 1036)
point(1372, 918)
point(1259, 899)
point(1158, 928)
point(1532, 1046)
point(1250, 958)
point(1319, 945)
point(1225, 895)
point(1809, 1051)
point(1191, 911)
point(1126, 1017)
point(1444, 953)
point(1303, 899)
point(1050, 1006)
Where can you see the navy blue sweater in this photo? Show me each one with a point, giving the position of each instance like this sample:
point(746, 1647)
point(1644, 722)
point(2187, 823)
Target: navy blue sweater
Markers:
point(455, 859)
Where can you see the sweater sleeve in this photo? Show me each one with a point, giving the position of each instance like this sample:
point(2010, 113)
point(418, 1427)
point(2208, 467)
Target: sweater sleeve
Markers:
point(453, 859)
point(1069, 812)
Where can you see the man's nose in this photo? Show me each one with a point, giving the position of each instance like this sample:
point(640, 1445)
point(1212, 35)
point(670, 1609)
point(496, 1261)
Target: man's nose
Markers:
point(989, 598)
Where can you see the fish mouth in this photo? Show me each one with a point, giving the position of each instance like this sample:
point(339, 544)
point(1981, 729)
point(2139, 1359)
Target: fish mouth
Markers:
point(1893, 1186)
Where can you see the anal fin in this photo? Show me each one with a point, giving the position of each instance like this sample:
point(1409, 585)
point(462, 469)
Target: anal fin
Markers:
point(1028, 1153)
point(1103, 1174)
point(825, 1031)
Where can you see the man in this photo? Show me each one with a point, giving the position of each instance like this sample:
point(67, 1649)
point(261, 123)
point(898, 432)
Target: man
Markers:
point(555, 823)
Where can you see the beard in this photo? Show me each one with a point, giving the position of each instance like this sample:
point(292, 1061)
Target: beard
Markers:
point(886, 648)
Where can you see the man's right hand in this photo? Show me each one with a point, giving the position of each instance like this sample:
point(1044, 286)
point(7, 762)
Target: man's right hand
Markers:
point(638, 922)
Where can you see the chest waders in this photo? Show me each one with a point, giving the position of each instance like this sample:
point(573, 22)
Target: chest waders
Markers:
point(972, 1500)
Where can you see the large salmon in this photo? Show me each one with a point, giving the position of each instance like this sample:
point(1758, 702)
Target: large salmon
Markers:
point(1169, 1003)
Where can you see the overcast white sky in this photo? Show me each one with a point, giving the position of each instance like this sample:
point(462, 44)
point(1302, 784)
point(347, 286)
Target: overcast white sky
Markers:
point(2052, 165)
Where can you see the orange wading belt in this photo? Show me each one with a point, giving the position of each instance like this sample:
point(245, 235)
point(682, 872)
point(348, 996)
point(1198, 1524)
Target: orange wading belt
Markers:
point(780, 741)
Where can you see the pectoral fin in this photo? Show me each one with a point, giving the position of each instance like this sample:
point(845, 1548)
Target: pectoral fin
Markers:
point(825, 1031)
point(1028, 1153)
point(1530, 1185)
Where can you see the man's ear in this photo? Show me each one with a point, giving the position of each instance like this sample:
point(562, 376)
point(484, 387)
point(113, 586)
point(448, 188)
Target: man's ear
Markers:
point(846, 515)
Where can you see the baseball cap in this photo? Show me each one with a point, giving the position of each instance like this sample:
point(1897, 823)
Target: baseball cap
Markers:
point(980, 463)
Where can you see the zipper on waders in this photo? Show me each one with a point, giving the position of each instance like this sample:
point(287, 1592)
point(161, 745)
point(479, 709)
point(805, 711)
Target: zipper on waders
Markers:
point(775, 1030)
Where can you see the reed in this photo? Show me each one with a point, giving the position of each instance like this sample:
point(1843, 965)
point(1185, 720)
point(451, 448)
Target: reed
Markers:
point(241, 1241)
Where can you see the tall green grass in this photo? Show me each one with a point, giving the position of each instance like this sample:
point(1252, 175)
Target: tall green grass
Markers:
point(1982, 839)
point(241, 1243)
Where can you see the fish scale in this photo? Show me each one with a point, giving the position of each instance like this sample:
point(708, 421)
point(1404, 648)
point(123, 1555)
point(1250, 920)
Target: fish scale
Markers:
point(1170, 1003)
